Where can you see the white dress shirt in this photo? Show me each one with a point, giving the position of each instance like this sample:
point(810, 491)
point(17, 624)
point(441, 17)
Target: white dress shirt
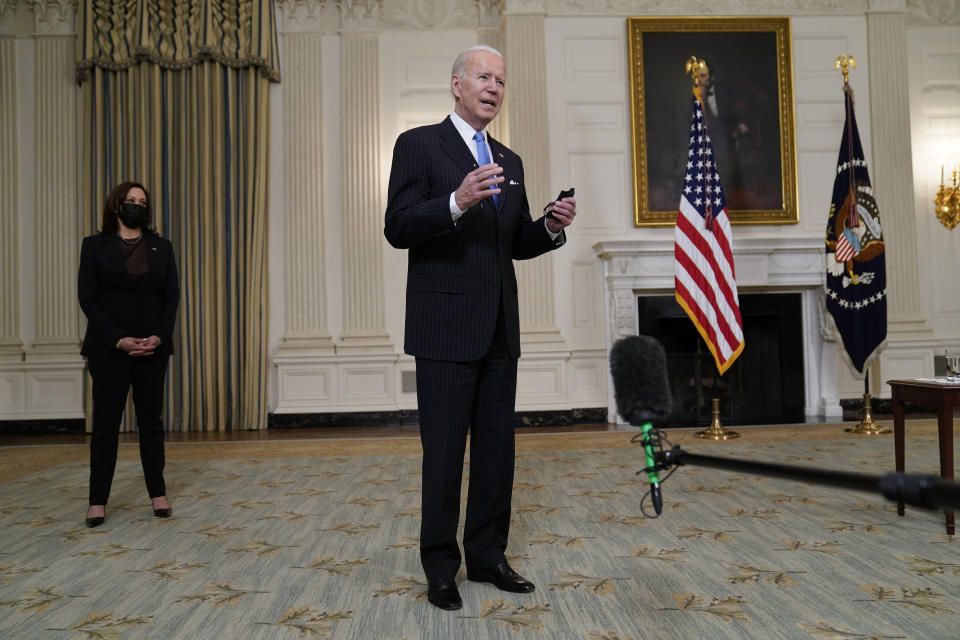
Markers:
point(467, 132)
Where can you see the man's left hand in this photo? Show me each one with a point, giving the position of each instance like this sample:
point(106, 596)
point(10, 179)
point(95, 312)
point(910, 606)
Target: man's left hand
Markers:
point(563, 212)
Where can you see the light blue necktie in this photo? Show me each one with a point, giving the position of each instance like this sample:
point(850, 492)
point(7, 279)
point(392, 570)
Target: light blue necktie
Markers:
point(482, 156)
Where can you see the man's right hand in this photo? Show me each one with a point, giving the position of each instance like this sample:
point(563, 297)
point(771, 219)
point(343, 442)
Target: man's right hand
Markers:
point(136, 346)
point(476, 185)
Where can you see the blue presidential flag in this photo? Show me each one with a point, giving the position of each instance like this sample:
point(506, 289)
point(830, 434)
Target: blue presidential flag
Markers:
point(856, 284)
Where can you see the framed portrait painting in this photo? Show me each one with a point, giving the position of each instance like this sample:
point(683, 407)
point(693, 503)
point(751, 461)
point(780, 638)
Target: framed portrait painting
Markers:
point(748, 102)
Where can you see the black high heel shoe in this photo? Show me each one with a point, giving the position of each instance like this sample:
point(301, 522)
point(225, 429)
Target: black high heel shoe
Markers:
point(163, 513)
point(94, 522)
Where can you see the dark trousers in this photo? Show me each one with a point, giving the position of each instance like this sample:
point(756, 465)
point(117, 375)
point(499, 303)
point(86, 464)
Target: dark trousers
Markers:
point(452, 398)
point(112, 379)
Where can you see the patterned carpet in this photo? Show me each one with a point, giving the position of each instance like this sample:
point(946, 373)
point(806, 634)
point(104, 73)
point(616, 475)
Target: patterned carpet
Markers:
point(318, 539)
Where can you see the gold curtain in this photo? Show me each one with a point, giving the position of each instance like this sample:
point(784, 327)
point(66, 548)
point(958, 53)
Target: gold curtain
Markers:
point(176, 96)
point(177, 34)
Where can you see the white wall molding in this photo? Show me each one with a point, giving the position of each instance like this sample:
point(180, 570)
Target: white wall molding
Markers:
point(702, 8)
point(39, 390)
point(324, 384)
point(546, 380)
point(8, 14)
point(306, 16)
point(53, 16)
point(886, 6)
point(933, 13)
point(526, 7)
point(490, 14)
point(360, 14)
point(431, 14)
point(388, 15)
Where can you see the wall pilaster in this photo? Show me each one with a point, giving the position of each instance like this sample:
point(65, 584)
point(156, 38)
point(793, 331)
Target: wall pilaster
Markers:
point(529, 132)
point(363, 313)
point(891, 168)
point(57, 228)
point(305, 299)
point(11, 346)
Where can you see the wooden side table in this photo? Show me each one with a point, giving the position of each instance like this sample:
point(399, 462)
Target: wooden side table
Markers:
point(941, 394)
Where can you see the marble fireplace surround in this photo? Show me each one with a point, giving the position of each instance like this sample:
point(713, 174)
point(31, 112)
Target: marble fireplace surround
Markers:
point(633, 268)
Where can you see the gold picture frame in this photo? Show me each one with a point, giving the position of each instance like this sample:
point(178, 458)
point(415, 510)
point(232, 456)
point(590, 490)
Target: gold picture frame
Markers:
point(751, 71)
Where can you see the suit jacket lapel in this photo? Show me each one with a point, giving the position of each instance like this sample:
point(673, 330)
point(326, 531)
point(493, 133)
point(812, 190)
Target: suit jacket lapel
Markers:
point(455, 147)
point(499, 157)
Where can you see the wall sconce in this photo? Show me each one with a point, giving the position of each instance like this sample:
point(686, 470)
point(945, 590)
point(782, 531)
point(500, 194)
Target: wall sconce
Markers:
point(947, 201)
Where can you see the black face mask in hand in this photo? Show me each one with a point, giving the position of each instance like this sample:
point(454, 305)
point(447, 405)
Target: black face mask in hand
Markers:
point(133, 216)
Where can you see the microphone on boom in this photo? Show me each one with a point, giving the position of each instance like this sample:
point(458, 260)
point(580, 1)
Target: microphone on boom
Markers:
point(638, 366)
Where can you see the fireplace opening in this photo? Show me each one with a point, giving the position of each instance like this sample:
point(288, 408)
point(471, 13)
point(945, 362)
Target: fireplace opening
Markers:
point(763, 386)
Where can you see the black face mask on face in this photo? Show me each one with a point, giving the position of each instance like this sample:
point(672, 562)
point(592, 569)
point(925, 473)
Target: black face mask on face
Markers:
point(133, 216)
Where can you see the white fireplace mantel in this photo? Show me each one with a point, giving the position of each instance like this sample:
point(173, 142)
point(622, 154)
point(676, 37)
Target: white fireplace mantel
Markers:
point(633, 268)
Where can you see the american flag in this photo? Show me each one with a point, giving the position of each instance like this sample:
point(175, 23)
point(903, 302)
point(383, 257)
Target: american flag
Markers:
point(704, 280)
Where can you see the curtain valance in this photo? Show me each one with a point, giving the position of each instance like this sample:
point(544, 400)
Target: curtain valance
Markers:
point(177, 34)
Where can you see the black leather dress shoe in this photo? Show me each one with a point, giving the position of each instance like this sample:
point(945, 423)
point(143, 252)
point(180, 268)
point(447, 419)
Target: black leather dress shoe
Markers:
point(502, 577)
point(163, 513)
point(444, 594)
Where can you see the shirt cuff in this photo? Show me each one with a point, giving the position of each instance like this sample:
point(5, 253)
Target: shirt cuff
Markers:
point(455, 211)
point(553, 236)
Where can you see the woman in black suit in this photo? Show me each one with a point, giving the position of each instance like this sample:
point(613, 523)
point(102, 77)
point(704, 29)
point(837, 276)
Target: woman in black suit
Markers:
point(128, 288)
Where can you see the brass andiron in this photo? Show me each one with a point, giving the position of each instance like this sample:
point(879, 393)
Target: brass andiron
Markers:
point(947, 201)
point(867, 426)
point(716, 430)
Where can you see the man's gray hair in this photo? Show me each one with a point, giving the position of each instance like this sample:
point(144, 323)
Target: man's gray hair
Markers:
point(460, 64)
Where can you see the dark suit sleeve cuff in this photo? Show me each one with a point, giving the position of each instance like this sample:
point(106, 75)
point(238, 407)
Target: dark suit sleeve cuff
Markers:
point(561, 239)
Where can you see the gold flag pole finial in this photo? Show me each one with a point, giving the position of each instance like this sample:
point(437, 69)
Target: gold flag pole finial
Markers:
point(694, 65)
point(844, 63)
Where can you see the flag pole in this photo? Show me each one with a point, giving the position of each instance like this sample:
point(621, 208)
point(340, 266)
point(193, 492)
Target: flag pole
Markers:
point(866, 426)
point(716, 430)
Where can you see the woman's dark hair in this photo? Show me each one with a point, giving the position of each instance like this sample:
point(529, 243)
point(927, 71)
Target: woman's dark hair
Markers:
point(114, 203)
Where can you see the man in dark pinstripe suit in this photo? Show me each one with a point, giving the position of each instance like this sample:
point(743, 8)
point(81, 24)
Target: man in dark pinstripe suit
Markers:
point(457, 203)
